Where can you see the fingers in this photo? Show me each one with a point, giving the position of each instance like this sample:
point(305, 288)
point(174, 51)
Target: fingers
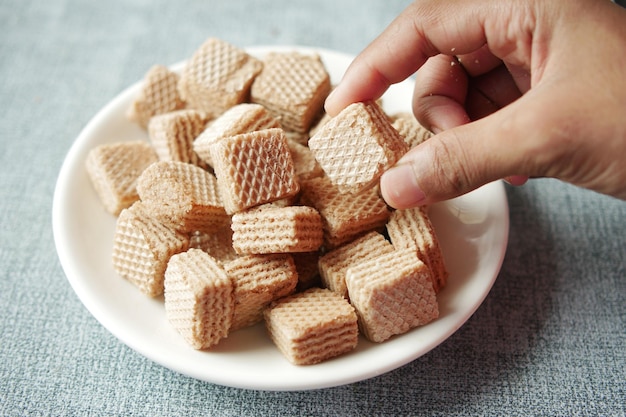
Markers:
point(426, 28)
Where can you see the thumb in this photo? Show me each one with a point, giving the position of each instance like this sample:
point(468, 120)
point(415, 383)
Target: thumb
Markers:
point(459, 160)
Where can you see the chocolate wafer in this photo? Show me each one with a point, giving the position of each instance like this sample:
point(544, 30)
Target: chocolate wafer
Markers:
point(113, 170)
point(199, 298)
point(312, 326)
point(277, 230)
point(217, 77)
point(356, 146)
point(142, 246)
point(392, 294)
point(412, 228)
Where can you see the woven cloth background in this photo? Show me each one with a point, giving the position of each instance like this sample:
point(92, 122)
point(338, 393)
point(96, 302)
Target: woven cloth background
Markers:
point(548, 340)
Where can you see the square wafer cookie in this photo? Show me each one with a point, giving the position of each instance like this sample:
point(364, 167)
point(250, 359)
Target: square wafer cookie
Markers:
point(183, 195)
point(410, 129)
point(217, 77)
point(173, 134)
point(392, 294)
point(253, 169)
point(412, 229)
point(199, 298)
point(345, 216)
point(334, 264)
point(113, 170)
point(242, 118)
point(158, 95)
point(312, 326)
point(258, 280)
point(142, 247)
point(277, 230)
point(304, 161)
point(356, 146)
point(293, 86)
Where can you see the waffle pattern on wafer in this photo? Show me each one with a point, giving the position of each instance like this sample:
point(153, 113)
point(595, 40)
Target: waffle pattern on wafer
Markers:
point(173, 135)
point(182, 194)
point(293, 86)
point(346, 216)
point(409, 128)
point(312, 326)
point(242, 118)
point(277, 230)
point(392, 294)
point(142, 247)
point(355, 147)
point(113, 170)
point(258, 280)
point(159, 94)
point(217, 77)
point(334, 264)
point(412, 228)
point(254, 168)
point(199, 298)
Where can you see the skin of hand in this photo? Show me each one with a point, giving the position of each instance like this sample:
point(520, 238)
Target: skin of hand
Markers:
point(513, 89)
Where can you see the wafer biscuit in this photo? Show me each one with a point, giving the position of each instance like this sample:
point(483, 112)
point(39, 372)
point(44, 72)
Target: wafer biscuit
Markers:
point(334, 264)
point(345, 216)
point(199, 298)
point(173, 134)
point(305, 164)
point(293, 86)
point(183, 195)
point(142, 246)
point(113, 170)
point(355, 147)
point(158, 95)
point(392, 294)
point(277, 230)
point(412, 228)
point(254, 168)
point(410, 129)
point(312, 326)
point(242, 118)
point(217, 77)
point(258, 280)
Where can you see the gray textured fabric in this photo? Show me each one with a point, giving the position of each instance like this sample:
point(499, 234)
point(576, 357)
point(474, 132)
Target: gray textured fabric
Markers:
point(549, 339)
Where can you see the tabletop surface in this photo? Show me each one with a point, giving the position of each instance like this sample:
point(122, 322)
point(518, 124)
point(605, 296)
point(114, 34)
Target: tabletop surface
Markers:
point(548, 340)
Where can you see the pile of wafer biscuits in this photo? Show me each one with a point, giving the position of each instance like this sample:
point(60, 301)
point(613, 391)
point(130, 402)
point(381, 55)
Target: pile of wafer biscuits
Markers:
point(249, 205)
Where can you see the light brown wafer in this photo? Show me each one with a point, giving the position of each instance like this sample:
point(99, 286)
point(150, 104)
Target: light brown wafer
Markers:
point(410, 129)
point(183, 195)
point(412, 228)
point(392, 294)
point(334, 264)
point(277, 230)
point(312, 326)
point(355, 147)
point(217, 77)
point(345, 216)
point(113, 170)
point(304, 161)
point(254, 168)
point(158, 95)
point(173, 134)
point(293, 86)
point(258, 280)
point(242, 118)
point(199, 298)
point(142, 246)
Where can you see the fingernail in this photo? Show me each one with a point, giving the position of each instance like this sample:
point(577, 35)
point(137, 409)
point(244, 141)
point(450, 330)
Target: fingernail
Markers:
point(399, 187)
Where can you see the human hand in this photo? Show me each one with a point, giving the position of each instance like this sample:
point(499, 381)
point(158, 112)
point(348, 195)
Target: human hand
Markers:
point(513, 90)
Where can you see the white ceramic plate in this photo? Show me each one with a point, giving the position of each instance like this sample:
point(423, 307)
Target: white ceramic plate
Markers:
point(473, 231)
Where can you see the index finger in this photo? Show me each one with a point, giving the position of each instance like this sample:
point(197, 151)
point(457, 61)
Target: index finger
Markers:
point(424, 29)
